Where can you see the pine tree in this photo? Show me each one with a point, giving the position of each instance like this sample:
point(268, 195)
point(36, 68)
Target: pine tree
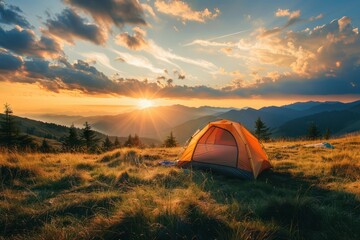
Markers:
point(45, 147)
point(72, 142)
point(107, 144)
point(170, 141)
point(116, 142)
point(136, 141)
point(129, 142)
point(262, 132)
point(327, 134)
point(89, 137)
point(8, 131)
point(313, 132)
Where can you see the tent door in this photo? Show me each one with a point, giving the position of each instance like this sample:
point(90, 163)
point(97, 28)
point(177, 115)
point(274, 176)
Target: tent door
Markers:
point(217, 146)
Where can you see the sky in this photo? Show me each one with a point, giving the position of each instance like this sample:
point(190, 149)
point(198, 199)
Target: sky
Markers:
point(93, 57)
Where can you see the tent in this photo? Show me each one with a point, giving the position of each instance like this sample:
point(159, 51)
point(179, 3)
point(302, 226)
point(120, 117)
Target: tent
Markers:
point(228, 147)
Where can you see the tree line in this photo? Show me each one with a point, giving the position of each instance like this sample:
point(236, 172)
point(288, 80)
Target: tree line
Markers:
point(76, 140)
point(87, 140)
point(263, 133)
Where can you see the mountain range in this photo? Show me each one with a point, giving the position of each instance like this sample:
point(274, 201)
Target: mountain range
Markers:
point(156, 123)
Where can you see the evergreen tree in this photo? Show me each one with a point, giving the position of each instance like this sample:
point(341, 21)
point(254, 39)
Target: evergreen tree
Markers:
point(129, 142)
point(9, 134)
point(313, 131)
point(89, 137)
point(327, 134)
point(107, 144)
point(72, 142)
point(8, 130)
point(170, 141)
point(116, 142)
point(262, 132)
point(133, 141)
point(45, 147)
point(136, 141)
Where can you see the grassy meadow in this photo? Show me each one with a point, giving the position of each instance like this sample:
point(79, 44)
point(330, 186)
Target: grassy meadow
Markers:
point(310, 193)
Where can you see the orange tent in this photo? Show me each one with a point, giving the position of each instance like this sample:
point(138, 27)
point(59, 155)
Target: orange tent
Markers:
point(228, 147)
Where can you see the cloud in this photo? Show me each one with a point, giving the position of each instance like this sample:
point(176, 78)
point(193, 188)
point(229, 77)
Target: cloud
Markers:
point(235, 74)
point(24, 41)
point(179, 74)
point(149, 9)
point(100, 58)
point(211, 43)
point(343, 23)
point(138, 42)
point(323, 60)
point(323, 49)
point(184, 11)
point(69, 26)
point(10, 14)
point(78, 76)
point(135, 42)
point(207, 43)
point(9, 62)
point(286, 13)
point(168, 56)
point(137, 61)
point(112, 12)
point(293, 17)
point(81, 76)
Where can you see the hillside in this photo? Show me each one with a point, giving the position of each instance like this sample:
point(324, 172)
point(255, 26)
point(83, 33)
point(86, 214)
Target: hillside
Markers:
point(342, 122)
point(39, 129)
point(309, 194)
point(288, 120)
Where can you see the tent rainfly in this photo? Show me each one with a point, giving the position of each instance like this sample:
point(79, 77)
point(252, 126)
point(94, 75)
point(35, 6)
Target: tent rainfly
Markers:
point(228, 147)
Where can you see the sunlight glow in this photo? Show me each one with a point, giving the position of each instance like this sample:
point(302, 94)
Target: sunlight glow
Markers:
point(145, 103)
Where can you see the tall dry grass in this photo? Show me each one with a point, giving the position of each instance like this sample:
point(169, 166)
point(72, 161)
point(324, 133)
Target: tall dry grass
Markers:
point(310, 193)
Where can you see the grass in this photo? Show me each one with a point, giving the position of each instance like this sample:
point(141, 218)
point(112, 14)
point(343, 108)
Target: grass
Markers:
point(309, 194)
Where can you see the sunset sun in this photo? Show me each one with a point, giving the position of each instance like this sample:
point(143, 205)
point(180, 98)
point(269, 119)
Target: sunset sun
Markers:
point(145, 103)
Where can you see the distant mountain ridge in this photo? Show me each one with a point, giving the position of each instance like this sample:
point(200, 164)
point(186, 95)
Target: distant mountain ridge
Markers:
point(289, 120)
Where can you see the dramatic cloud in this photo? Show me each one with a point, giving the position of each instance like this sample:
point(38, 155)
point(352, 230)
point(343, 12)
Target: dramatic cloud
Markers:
point(135, 42)
point(24, 41)
point(322, 50)
point(112, 12)
point(81, 76)
point(69, 25)
point(183, 11)
point(78, 76)
point(324, 60)
point(10, 14)
point(9, 62)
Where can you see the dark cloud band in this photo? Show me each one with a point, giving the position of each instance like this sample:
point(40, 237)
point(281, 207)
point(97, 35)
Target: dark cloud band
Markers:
point(69, 25)
point(116, 12)
point(10, 14)
point(23, 41)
